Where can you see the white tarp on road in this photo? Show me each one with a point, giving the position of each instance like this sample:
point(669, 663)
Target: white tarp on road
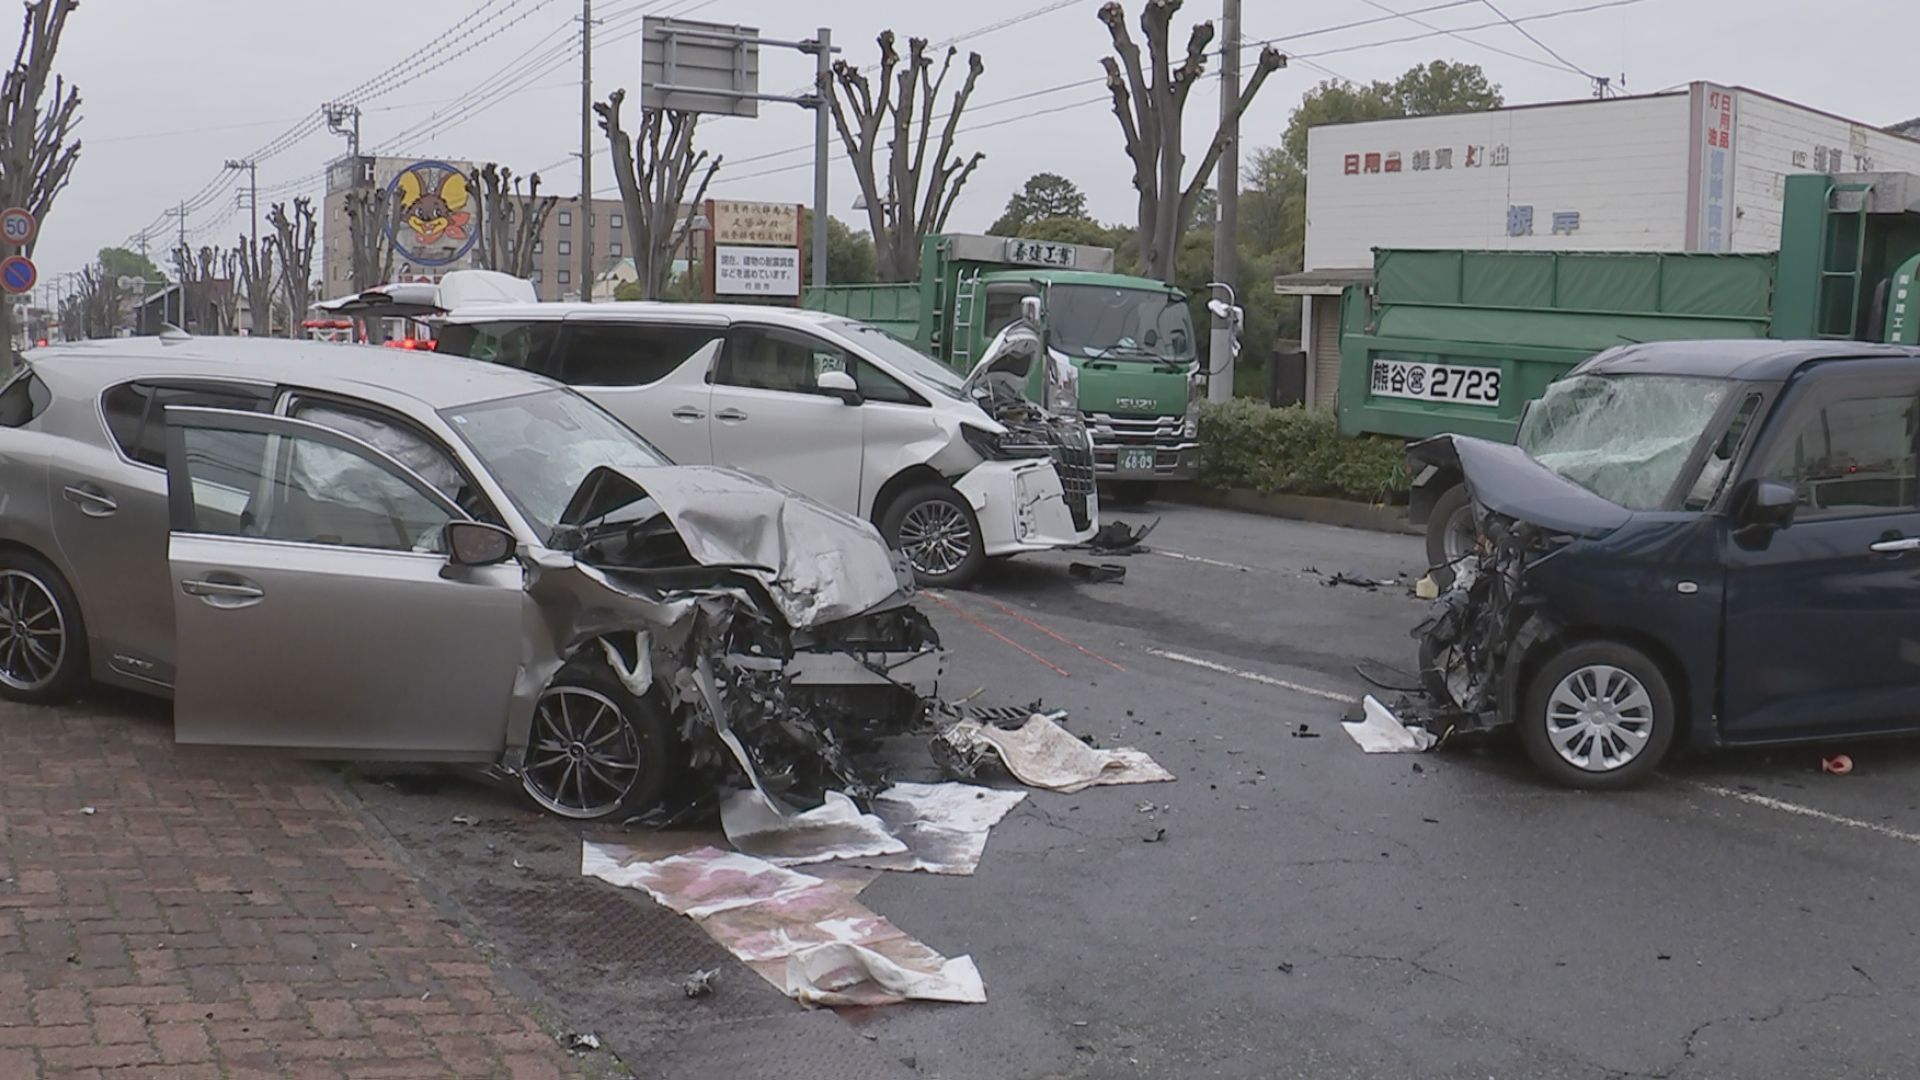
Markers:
point(1042, 754)
point(809, 936)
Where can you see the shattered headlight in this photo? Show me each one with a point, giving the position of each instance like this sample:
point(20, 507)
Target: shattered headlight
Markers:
point(994, 446)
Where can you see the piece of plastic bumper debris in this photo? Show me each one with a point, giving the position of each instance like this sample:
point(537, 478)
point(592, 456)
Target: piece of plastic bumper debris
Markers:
point(638, 677)
point(1096, 573)
point(1381, 732)
point(700, 983)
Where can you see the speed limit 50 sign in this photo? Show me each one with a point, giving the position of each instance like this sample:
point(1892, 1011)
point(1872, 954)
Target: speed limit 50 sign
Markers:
point(17, 226)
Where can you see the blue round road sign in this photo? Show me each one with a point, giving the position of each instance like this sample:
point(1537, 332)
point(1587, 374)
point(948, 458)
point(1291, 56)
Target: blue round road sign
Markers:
point(17, 274)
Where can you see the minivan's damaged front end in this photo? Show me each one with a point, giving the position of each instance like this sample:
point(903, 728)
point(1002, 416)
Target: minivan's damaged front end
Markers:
point(1479, 631)
point(774, 631)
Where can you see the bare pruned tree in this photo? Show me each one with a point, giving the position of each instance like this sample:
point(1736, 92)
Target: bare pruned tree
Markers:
point(254, 264)
point(226, 289)
point(1149, 98)
point(917, 199)
point(293, 243)
point(653, 167)
point(95, 306)
point(509, 220)
point(369, 213)
point(36, 153)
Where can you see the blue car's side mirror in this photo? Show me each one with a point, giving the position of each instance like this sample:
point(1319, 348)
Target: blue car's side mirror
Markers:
point(1764, 504)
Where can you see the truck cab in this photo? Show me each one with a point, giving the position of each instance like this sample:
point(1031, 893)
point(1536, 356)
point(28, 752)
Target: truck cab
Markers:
point(1130, 339)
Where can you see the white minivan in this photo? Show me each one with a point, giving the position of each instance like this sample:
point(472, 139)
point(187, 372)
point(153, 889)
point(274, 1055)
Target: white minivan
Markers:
point(833, 408)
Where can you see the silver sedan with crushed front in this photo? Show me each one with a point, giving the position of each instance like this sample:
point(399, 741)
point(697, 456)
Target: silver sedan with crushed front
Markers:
point(345, 553)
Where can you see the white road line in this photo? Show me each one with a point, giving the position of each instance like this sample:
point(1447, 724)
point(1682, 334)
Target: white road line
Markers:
point(1771, 803)
point(1203, 561)
point(1253, 676)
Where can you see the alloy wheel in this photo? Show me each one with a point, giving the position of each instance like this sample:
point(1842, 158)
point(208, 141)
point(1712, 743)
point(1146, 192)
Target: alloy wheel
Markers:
point(33, 632)
point(1599, 718)
point(936, 537)
point(583, 757)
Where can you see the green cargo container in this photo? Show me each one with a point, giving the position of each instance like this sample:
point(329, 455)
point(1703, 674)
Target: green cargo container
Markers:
point(1460, 341)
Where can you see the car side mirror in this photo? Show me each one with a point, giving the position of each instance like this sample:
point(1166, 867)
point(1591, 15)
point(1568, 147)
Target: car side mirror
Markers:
point(1764, 504)
point(1030, 309)
point(476, 543)
point(839, 384)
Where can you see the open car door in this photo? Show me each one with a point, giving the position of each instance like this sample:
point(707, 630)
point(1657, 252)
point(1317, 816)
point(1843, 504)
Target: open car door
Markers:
point(314, 609)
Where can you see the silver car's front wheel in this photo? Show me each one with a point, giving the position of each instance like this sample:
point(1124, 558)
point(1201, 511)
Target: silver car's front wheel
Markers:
point(585, 756)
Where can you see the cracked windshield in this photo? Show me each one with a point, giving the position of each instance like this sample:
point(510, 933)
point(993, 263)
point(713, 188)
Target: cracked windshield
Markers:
point(1626, 437)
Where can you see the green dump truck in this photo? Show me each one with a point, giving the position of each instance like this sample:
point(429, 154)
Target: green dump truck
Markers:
point(1460, 341)
point(1131, 339)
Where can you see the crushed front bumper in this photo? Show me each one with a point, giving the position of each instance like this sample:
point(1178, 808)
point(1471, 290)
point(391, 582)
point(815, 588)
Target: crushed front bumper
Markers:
point(1023, 506)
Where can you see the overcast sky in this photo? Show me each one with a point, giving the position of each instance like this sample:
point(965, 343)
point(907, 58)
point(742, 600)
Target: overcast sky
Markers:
point(172, 88)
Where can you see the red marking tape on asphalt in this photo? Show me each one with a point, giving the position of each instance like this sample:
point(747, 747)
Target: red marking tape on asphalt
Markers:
point(1015, 613)
point(957, 610)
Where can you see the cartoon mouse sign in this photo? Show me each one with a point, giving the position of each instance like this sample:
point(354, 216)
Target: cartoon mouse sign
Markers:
point(432, 214)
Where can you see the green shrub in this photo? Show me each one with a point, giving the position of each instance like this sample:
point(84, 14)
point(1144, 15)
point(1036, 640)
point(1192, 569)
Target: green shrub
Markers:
point(1297, 451)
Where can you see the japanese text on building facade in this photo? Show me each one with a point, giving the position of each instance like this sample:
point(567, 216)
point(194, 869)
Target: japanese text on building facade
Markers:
point(1436, 159)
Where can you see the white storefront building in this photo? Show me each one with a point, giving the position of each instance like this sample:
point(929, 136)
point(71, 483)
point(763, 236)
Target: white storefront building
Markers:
point(1696, 169)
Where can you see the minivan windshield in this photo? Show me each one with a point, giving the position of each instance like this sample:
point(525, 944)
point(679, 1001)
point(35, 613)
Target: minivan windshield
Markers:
point(905, 358)
point(1623, 437)
point(540, 446)
point(1100, 321)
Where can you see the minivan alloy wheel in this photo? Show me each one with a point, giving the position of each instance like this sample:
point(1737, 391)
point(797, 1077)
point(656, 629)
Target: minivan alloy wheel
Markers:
point(583, 757)
point(33, 633)
point(936, 537)
point(1599, 717)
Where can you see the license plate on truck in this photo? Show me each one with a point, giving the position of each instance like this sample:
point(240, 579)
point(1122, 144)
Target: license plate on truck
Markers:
point(1436, 382)
point(1136, 460)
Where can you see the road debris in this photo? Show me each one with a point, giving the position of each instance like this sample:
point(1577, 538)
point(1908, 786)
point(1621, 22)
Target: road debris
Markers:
point(1837, 764)
point(1303, 732)
point(808, 936)
point(88, 810)
point(465, 819)
point(836, 829)
point(1381, 732)
point(1155, 836)
point(700, 983)
point(585, 1040)
point(1115, 538)
point(1096, 573)
point(944, 826)
point(1042, 754)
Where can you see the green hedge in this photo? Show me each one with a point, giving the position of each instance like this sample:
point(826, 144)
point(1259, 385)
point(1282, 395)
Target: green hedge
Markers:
point(1296, 451)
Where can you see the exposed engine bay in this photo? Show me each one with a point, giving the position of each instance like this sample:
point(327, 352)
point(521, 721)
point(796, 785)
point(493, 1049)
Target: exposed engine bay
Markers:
point(776, 631)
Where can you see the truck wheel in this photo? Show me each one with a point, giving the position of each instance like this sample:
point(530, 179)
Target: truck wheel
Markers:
point(939, 533)
point(1598, 716)
point(1450, 533)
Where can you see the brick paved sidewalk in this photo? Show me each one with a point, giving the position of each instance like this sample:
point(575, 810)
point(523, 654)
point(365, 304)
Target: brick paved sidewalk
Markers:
point(221, 915)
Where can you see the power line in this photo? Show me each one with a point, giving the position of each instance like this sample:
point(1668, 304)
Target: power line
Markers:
point(1104, 98)
point(1522, 57)
point(1544, 47)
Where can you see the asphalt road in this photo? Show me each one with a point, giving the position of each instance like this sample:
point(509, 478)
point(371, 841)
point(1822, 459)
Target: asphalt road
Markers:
point(1309, 910)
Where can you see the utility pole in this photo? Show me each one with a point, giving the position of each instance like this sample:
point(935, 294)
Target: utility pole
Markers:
point(253, 191)
point(823, 80)
point(586, 151)
point(185, 258)
point(1225, 252)
point(337, 115)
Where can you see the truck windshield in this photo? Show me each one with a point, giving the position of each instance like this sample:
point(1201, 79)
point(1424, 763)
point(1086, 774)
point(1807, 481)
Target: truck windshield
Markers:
point(1088, 321)
point(1623, 437)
